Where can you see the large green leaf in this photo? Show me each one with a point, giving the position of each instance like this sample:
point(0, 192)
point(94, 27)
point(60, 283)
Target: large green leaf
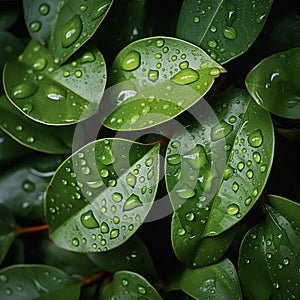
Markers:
point(224, 28)
point(271, 250)
point(127, 285)
point(154, 79)
point(274, 83)
point(216, 170)
point(8, 231)
point(217, 281)
point(41, 282)
point(101, 195)
point(23, 185)
point(33, 135)
point(63, 26)
point(53, 94)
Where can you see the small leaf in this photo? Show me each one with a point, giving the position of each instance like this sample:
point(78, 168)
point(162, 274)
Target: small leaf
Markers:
point(271, 250)
point(217, 168)
point(101, 195)
point(33, 135)
point(155, 79)
point(127, 286)
point(217, 281)
point(274, 83)
point(8, 232)
point(225, 29)
point(64, 26)
point(20, 282)
point(52, 94)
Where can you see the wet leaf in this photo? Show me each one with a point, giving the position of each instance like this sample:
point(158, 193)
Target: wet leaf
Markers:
point(155, 79)
point(101, 194)
point(274, 83)
point(53, 94)
point(271, 250)
point(8, 232)
point(37, 282)
point(64, 26)
point(217, 281)
point(224, 28)
point(127, 286)
point(33, 135)
point(23, 185)
point(217, 168)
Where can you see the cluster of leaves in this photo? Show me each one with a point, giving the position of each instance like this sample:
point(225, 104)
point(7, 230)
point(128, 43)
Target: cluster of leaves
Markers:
point(119, 180)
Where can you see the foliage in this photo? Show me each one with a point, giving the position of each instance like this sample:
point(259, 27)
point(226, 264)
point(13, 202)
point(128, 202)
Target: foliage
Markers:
point(149, 152)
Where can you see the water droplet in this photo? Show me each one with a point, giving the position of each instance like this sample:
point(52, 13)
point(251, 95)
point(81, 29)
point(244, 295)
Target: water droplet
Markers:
point(159, 43)
point(263, 168)
point(149, 162)
point(142, 290)
point(75, 242)
point(232, 119)
point(181, 231)
point(229, 171)
point(250, 174)
point(95, 184)
point(71, 31)
point(88, 220)
point(146, 110)
point(44, 9)
point(229, 33)
point(241, 166)
point(165, 50)
point(131, 179)
point(132, 202)
point(114, 234)
point(116, 220)
point(104, 227)
point(8, 292)
point(212, 43)
point(185, 192)
point(78, 73)
point(85, 170)
point(183, 65)
point(104, 173)
point(87, 57)
point(255, 139)
point(286, 261)
point(196, 19)
point(220, 130)
point(3, 278)
point(175, 144)
point(56, 93)
point(131, 61)
point(190, 216)
point(248, 201)
point(125, 282)
point(185, 76)
point(100, 10)
point(19, 128)
point(196, 157)
point(35, 26)
point(276, 285)
point(112, 182)
point(117, 197)
point(24, 90)
point(40, 64)
point(232, 209)
point(174, 159)
point(256, 157)
point(213, 28)
point(260, 18)
point(153, 75)
point(269, 242)
point(235, 187)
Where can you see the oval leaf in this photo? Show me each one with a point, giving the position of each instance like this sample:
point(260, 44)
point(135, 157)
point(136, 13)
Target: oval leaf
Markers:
point(33, 135)
point(217, 281)
point(20, 282)
point(225, 160)
point(154, 79)
point(128, 286)
point(53, 94)
point(63, 26)
point(274, 83)
point(100, 195)
point(224, 28)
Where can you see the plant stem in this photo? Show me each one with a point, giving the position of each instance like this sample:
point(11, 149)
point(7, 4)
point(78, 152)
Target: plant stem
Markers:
point(93, 278)
point(25, 230)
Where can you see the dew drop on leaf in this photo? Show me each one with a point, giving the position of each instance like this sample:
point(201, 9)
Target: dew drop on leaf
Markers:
point(40, 64)
point(186, 76)
point(153, 75)
point(75, 242)
point(88, 220)
point(232, 209)
point(174, 159)
point(131, 61)
point(131, 179)
point(44, 9)
point(220, 130)
point(255, 138)
point(104, 227)
point(117, 197)
point(71, 31)
point(229, 33)
point(114, 233)
point(24, 90)
point(100, 10)
point(132, 202)
point(185, 192)
point(35, 26)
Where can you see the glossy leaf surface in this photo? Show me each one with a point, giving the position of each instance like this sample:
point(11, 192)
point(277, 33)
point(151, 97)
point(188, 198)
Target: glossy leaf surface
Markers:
point(8, 231)
point(100, 195)
point(63, 26)
point(33, 135)
point(216, 170)
point(224, 28)
point(128, 286)
point(53, 94)
point(42, 282)
point(154, 79)
point(217, 281)
point(274, 83)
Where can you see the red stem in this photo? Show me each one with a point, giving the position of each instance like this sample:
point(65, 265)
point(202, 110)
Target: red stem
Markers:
point(24, 230)
point(93, 278)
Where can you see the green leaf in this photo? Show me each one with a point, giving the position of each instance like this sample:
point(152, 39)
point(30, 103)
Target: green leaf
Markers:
point(42, 282)
point(217, 281)
point(128, 286)
point(224, 28)
point(132, 256)
point(8, 18)
point(101, 195)
point(155, 79)
point(23, 185)
point(8, 232)
point(274, 83)
point(217, 168)
point(64, 26)
point(271, 250)
point(53, 94)
point(33, 135)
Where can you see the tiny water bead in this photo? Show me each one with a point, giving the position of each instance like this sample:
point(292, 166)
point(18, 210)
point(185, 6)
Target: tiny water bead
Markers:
point(212, 43)
point(114, 233)
point(75, 242)
point(185, 192)
point(100, 10)
point(88, 220)
point(35, 26)
point(196, 19)
point(3, 278)
point(232, 209)
point(40, 64)
point(125, 282)
point(19, 128)
point(153, 75)
point(71, 31)
point(241, 166)
point(117, 197)
point(181, 232)
point(190, 216)
point(229, 33)
point(132, 202)
point(131, 61)
point(104, 227)
point(186, 76)
point(256, 157)
point(131, 179)
point(235, 186)
point(24, 90)
point(142, 290)
point(87, 57)
point(44, 9)
point(221, 130)
point(255, 138)
point(174, 159)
